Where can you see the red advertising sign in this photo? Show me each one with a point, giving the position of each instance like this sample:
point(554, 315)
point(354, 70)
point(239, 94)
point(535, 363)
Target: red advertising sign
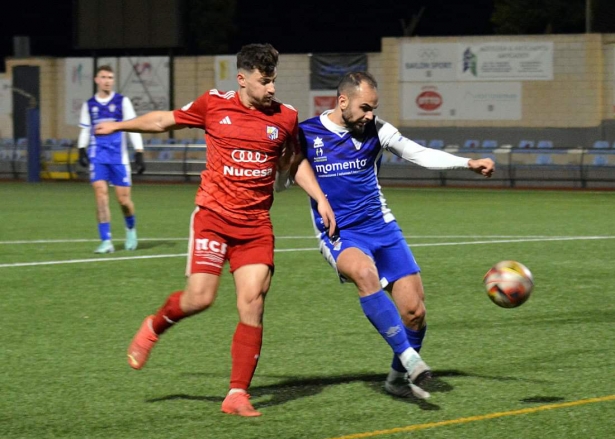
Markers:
point(429, 100)
point(323, 103)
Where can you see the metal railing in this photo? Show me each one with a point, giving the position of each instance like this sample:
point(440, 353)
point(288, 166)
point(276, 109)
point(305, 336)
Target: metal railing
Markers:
point(516, 167)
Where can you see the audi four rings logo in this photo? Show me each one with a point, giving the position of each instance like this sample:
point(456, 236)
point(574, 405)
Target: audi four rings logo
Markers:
point(242, 156)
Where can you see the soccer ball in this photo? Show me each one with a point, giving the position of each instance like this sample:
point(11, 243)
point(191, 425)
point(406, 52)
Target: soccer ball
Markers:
point(509, 284)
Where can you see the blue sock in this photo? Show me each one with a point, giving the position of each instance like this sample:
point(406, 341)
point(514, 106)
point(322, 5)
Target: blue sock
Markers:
point(130, 221)
point(415, 338)
point(104, 231)
point(382, 313)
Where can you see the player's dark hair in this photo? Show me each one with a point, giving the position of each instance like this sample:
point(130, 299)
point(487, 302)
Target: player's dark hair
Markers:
point(261, 57)
point(104, 68)
point(351, 81)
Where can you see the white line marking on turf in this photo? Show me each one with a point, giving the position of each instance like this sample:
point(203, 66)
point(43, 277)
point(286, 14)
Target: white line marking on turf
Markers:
point(65, 241)
point(79, 261)
point(436, 244)
point(502, 241)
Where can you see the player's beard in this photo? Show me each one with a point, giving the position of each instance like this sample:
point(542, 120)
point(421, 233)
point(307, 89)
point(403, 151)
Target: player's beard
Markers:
point(353, 126)
point(266, 101)
point(263, 103)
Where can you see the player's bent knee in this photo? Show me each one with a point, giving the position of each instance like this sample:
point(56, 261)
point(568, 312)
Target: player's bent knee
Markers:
point(195, 305)
point(194, 302)
point(414, 318)
point(366, 277)
point(254, 300)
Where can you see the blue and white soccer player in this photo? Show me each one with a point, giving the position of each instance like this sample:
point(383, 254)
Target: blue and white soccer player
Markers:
point(107, 157)
point(344, 147)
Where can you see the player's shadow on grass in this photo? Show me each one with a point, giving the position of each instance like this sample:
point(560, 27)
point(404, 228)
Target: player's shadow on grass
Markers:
point(291, 389)
point(542, 399)
point(296, 388)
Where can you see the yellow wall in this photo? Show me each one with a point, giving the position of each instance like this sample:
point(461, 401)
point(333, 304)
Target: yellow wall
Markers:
point(582, 93)
point(6, 120)
point(582, 83)
point(49, 98)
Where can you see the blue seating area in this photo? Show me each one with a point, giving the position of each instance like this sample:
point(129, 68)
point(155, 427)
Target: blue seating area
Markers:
point(471, 143)
point(435, 143)
point(186, 158)
point(601, 144)
point(526, 144)
point(544, 159)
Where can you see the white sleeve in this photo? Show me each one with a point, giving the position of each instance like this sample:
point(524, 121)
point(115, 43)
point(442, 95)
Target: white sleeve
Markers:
point(129, 113)
point(84, 138)
point(392, 140)
point(84, 123)
point(84, 117)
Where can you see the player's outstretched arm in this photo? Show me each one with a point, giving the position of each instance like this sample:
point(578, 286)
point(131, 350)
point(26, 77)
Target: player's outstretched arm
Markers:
point(401, 146)
point(153, 122)
point(305, 178)
point(484, 167)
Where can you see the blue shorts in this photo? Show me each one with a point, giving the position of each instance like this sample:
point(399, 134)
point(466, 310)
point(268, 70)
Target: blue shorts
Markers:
point(387, 247)
point(118, 175)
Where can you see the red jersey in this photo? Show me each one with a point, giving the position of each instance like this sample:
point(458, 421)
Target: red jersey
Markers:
point(243, 147)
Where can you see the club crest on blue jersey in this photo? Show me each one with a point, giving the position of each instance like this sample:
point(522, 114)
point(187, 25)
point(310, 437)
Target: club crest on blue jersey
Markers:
point(272, 133)
point(318, 143)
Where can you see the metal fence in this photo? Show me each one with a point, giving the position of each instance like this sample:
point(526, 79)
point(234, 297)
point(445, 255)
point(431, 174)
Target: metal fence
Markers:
point(516, 167)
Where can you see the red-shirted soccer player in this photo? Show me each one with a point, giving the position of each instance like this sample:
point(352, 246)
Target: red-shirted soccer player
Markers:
point(248, 134)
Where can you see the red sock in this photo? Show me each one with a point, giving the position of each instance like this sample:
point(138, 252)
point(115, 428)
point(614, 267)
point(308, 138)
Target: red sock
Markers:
point(169, 314)
point(245, 350)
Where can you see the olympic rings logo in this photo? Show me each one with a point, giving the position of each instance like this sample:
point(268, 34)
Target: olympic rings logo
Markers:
point(243, 156)
point(429, 53)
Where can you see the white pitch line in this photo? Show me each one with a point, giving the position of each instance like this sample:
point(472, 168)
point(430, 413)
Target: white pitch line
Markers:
point(68, 241)
point(503, 241)
point(79, 261)
point(436, 244)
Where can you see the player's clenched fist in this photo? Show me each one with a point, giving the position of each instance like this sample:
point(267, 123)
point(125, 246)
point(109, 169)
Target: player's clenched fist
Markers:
point(105, 128)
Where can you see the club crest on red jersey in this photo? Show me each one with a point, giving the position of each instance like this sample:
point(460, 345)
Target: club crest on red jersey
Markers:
point(272, 133)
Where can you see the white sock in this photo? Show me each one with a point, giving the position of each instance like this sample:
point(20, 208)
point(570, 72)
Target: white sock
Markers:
point(395, 375)
point(409, 358)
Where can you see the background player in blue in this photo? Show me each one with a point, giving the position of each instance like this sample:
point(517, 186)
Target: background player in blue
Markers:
point(107, 157)
point(344, 147)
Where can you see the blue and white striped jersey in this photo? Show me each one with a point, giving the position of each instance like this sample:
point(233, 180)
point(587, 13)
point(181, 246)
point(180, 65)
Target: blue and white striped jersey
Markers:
point(112, 148)
point(346, 167)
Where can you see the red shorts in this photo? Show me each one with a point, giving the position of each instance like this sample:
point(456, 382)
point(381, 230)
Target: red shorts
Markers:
point(214, 240)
